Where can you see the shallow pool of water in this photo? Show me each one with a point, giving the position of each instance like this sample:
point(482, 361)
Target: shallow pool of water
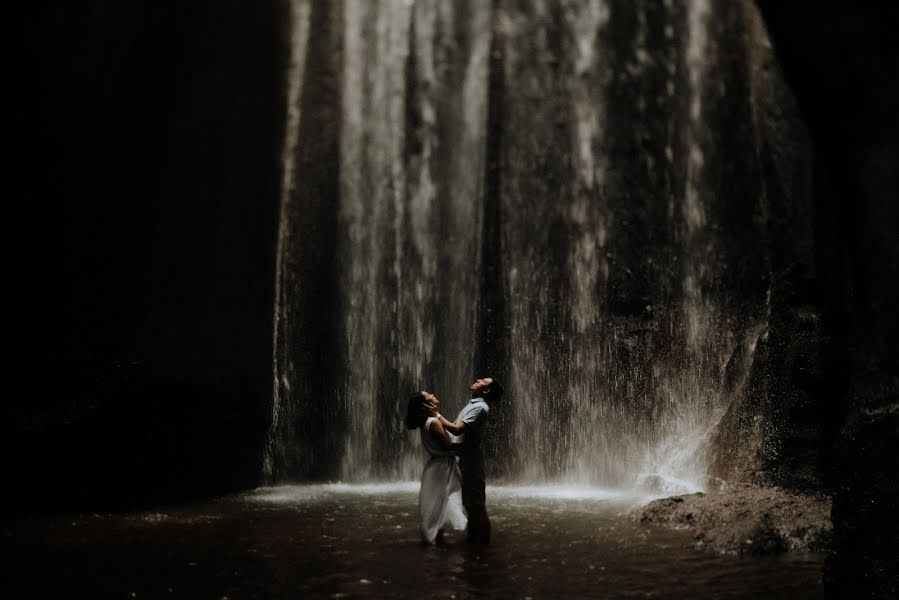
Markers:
point(337, 541)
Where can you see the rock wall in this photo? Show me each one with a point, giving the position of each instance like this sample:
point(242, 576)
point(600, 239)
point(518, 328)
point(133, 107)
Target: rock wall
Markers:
point(307, 307)
point(149, 168)
point(841, 63)
point(776, 431)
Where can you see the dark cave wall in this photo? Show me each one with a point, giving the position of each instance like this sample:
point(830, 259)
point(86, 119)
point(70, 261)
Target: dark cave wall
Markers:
point(778, 429)
point(151, 158)
point(841, 63)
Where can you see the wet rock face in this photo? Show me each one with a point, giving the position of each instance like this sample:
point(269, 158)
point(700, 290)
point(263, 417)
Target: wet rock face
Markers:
point(777, 430)
point(849, 100)
point(747, 520)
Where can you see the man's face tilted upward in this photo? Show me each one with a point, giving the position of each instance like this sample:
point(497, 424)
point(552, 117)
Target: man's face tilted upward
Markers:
point(481, 387)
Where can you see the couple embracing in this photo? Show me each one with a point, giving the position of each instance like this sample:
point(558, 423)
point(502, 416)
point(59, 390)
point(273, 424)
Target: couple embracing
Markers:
point(446, 483)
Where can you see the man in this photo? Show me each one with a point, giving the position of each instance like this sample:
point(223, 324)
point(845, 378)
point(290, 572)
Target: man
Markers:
point(471, 422)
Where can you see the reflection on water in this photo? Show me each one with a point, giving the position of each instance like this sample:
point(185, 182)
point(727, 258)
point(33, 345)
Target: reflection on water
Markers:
point(337, 540)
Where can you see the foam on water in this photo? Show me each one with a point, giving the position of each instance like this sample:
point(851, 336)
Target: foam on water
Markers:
point(563, 492)
point(289, 494)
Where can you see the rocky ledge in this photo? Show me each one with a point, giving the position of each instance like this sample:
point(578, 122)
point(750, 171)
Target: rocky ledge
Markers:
point(746, 520)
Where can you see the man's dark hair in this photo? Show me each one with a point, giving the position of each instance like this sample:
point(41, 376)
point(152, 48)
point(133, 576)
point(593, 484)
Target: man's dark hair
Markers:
point(495, 391)
point(416, 415)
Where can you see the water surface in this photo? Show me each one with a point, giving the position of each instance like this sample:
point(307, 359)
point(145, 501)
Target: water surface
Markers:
point(339, 540)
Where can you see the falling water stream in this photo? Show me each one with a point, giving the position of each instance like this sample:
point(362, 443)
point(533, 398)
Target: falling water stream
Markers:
point(593, 131)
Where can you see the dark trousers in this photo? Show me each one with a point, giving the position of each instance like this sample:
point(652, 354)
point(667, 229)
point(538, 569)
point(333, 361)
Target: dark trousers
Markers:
point(474, 498)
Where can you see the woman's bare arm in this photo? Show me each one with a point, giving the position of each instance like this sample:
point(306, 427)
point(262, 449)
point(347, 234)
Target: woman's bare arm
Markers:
point(442, 435)
point(457, 428)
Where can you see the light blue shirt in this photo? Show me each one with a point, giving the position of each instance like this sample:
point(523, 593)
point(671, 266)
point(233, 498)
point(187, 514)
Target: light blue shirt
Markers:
point(474, 415)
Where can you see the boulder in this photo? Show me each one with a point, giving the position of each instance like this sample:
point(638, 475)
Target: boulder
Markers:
point(746, 520)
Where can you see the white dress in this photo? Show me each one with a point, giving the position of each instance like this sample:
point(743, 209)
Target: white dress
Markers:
point(440, 496)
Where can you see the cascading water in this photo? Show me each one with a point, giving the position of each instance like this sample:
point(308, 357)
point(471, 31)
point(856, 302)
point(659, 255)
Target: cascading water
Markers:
point(613, 162)
point(282, 426)
point(411, 194)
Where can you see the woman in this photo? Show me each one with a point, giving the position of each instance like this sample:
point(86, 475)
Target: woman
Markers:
point(440, 496)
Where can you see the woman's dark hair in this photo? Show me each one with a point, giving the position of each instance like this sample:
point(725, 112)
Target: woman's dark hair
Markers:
point(416, 415)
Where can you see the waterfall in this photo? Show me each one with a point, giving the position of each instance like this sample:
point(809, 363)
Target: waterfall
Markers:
point(694, 390)
point(625, 337)
point(412, 156)
point(281, 429)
